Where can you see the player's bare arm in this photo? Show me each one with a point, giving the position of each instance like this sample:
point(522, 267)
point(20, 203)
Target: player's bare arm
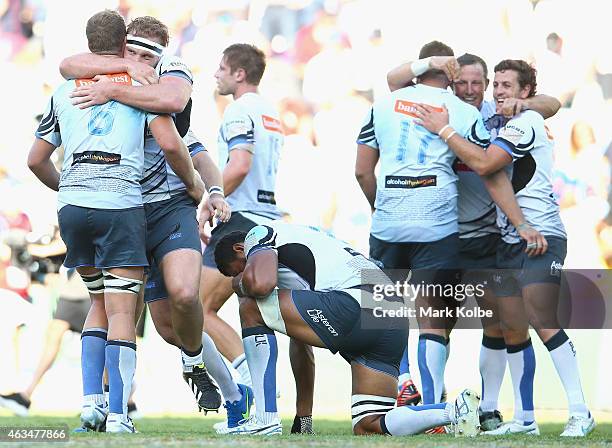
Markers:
point(177, 155)
point(260, 275)
point(88, 65)
point(401, 75)
point(367, 158)
point(215, 204)
point(545, 105)
point(237, 168)
point(39, 162)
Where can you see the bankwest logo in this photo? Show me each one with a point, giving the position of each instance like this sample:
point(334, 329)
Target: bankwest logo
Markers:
point(410, 182)
point(271, 124)
point(407, 108)
point(117, 78)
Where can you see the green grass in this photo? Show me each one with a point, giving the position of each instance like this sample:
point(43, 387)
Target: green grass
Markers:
point(192, 432)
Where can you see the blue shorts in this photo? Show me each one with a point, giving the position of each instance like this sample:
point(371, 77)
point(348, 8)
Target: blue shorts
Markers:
point(103, 238)
point(235, 223)
point(171, 225)
point(478, 257)
point(517, 270)
point(336, 318)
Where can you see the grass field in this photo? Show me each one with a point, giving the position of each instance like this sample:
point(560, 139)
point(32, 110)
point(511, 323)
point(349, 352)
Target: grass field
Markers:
point(192, 432)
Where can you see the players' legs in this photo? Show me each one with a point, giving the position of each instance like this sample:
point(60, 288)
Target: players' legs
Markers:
point(303, 366)
point(161, 315)
point(181, 272)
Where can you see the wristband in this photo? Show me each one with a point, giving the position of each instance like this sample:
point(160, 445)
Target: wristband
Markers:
point(521, 226)
point(419, 67)
point(241, 291)
point(443, 129)
point(449, 136)
point(216, 189)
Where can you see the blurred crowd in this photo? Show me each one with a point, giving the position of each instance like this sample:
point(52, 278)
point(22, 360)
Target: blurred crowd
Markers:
point(327, 61)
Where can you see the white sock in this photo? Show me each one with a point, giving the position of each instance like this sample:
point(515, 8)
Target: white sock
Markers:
point(409, 420)
point(563, 356)
point(242, 367)
point(97, 399)
point(403, 378)
point(521, 360)
point(432, 362)
point(218, 370)
point(190, 361)
point(492, 370)
point(262, 352)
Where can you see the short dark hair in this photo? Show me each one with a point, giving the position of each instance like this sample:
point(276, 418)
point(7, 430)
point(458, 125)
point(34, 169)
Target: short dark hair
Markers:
point(247, 57)
point(224, 250)
point(434, 48)
point(105, 32)
point(472, 59)
point(526, 73)
point(150, 28)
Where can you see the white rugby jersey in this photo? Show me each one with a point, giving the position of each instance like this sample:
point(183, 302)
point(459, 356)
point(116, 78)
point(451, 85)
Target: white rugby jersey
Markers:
point(416, 194)
point(103, 148)
point(477, 211)
point(159, 181)
point(309, 258)
point(252, 119)
point(526, 139)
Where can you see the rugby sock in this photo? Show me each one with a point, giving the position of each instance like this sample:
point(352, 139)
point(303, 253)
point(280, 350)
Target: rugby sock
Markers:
point(218, 370)
point(521, 360)
point(404, 368)
point(121, 365)
point(492, 370)
point(409, 420)
point(432, 361)
point(261, 353)
point(242, 367)
point(191, 359)
point(563, 355)
point(93, 343)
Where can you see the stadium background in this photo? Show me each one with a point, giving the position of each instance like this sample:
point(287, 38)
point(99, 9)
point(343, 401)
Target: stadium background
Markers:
point(327, 61)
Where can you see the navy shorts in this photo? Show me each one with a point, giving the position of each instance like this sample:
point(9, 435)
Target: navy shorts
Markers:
point(435, 261)
point(171, 225)
point(336, 318)
point(517, 270)
point(478, 257)
point(103, 238)
point(235, 223)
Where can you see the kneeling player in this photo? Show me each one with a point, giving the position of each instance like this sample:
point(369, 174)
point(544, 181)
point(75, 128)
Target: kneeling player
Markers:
point(319, 304)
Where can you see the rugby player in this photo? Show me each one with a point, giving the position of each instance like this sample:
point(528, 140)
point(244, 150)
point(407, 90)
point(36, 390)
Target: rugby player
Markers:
point(101, 217)
point(304, 283)
point(173, 243)
point(524, 147)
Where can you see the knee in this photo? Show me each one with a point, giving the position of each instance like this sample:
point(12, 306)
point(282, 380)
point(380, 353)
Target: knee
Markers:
point(183, 297)
point(368, 425)
point(249, 313)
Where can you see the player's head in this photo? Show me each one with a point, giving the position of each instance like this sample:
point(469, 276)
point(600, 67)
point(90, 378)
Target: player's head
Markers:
point(514, 78)
point(473, 79)
point(435, 48)
point(241, 63)
point(106, 33)
point(229, 253)
point(146, 39)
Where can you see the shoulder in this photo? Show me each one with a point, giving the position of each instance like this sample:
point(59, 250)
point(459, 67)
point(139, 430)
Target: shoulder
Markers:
point(173, 64)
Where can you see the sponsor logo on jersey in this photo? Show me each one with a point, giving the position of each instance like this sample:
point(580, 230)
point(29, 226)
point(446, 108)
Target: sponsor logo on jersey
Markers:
point(117, 78)
point(410, 182)
point(408, 108)
point(511, 133)
point(271, 124)
point(96, 158)
point(267, 197)
point(317, 316)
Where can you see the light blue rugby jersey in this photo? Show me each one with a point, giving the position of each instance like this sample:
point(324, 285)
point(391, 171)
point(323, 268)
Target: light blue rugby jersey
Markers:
point(103, 149)
point(416, 194)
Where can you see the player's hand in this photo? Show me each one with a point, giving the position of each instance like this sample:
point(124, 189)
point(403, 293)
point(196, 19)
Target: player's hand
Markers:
point(203, 229)
point(431, 119)
point(93, 94)
point(215, 206)
point(197, 190)
point(448, 64)
point(143, 73)
point(536, 242)
point(511, 107)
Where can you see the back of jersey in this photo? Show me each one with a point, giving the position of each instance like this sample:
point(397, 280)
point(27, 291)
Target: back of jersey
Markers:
point(309, 258)
point(103, 149)
point(253, 120)
point(416, 196)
